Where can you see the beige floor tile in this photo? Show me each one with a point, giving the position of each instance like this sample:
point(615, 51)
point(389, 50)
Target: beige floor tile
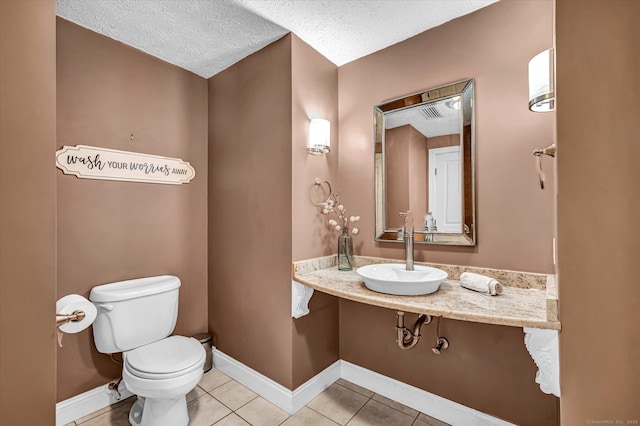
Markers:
point(212, 379)
point(354, 387)
point(342, 403)
point(232, 420)
point(393, 404)
point(118, 416)
point(431, 421)
point(129, 401)
point(338, 403)
point(261, 412)
point(197, 392)
point(233, 394)
point(205, 411)
point(308, 417)
point(376, 414)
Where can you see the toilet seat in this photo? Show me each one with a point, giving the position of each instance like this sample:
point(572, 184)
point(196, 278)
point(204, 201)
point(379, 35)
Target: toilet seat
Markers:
point(171, 357)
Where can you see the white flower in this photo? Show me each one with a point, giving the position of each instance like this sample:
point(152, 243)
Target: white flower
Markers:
point(339, 222)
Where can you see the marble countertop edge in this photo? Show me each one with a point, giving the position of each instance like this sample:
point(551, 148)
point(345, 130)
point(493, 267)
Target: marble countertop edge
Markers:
point(517, 306)
point(504, 276)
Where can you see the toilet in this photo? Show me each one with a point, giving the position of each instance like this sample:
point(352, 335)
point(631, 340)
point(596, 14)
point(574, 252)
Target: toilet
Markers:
point(136, 317)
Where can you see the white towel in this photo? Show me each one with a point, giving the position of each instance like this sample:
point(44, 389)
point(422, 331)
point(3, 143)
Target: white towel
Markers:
point(480, 283)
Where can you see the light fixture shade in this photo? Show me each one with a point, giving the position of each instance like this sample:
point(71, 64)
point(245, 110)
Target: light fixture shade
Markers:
point(319, 140)
point(541, 82)
point(453, 103)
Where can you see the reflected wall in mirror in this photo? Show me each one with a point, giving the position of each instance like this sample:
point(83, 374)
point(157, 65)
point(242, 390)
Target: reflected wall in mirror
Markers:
point(424, 162)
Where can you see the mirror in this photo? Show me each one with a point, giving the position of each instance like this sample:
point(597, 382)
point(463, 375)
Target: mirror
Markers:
point(424, 162)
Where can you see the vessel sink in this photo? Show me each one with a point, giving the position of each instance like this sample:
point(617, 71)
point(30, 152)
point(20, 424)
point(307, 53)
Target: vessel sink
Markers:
point(393, 278)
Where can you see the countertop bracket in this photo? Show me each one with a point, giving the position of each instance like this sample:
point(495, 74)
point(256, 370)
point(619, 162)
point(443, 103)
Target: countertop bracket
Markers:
point(542, 345)
point(300, 297)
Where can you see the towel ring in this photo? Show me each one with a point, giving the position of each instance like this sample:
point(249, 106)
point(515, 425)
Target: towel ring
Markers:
point(320, 192)
point(551, 152)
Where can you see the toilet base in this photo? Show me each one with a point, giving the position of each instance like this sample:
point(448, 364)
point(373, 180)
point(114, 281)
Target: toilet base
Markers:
point(159, 412)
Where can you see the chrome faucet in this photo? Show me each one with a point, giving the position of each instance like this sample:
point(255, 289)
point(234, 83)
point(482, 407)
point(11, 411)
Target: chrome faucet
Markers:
point(407, 231)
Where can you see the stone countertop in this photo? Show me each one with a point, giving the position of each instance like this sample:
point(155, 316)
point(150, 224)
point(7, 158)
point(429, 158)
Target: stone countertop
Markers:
point(516, 306)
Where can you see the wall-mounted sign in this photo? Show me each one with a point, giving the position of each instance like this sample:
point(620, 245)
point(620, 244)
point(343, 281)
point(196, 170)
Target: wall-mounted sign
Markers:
point(90, 162)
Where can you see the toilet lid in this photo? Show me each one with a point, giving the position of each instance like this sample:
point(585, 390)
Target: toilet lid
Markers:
point(172, 356)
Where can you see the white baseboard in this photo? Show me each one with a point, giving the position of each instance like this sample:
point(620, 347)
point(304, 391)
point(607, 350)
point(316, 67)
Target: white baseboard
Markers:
point(86, 403)
point(315, 386)
point(432, 405)
point(411, 396)
point(292, 401)
point(289, 401)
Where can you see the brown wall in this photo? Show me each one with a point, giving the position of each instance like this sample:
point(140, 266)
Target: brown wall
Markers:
point(492, 45)
point(486, 367)
point(396, 173)
point(250, 215)
point(443, 141)
point(598, 173)
point(27, 212)
point(111, 231)
point(314, 95)
point(260, 182)
point(406, 169)
point(314, 81)
point(419, 171)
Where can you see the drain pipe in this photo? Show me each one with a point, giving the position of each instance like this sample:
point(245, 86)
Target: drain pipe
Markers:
point(406, 338)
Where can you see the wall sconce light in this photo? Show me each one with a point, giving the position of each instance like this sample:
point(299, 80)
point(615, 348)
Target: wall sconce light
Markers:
point(319, 140)
point(542, 93)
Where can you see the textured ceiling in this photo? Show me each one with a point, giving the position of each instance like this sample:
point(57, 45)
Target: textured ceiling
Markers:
point(207, 36)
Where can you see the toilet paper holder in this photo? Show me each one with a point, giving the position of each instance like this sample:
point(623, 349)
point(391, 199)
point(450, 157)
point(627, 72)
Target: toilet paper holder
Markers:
point(74, 317)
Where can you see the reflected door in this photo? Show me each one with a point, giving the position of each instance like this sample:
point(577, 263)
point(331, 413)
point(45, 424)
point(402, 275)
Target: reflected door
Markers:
point(445, 188)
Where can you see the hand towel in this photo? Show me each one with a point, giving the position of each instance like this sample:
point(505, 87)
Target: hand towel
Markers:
point(480, 283)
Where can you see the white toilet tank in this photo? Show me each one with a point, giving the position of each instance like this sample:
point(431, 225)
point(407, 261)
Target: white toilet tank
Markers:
point(134, 313)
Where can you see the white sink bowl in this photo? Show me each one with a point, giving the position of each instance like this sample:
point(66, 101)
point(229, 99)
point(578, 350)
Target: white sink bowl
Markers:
point(393, 278)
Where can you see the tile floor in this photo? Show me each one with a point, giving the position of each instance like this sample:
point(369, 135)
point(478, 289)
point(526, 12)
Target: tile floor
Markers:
point(219, 400)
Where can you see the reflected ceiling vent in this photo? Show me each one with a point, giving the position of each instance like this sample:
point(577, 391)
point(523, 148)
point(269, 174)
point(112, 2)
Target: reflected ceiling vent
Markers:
point(431, 112)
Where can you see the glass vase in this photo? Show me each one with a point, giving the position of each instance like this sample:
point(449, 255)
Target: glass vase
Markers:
point(345, 251)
